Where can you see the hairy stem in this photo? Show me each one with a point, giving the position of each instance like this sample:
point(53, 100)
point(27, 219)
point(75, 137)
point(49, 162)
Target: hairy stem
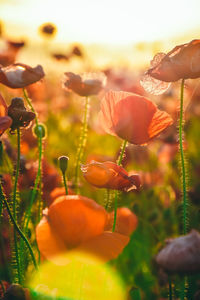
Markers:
point(14, 206)
point(119, 162)
point(16, 226)
point(183, 167)
point(39, 171)
point(82, 144)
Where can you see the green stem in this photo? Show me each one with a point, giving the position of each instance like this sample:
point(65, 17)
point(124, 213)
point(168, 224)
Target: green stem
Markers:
point(65, 183)
point(121, 156)
point(35, 188)
point(183, 168)
point(31, 106)
point(170, 288)
point(2, 286)
point(119, 162)
point(38, 175)
point(16, 226)
point(14, 206)
point(82, 144)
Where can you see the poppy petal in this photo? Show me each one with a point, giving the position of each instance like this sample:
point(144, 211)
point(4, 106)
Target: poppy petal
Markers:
point(76, 219)
point(127, 116)
point(5, 123)
point(106, 246)
point(159, 122)
point(3, 107)
point(126, 221)
point(48, 242)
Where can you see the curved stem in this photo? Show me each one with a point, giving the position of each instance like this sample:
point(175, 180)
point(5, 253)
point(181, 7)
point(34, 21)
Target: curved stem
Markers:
point(82, 143)
point(119, 162)
point(2, 197)
point(14, 205)
point(30, 104)
point(183, 168)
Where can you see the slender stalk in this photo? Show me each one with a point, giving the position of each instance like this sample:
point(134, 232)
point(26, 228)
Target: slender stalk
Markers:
point(82, 144)
point(14, 206)
point(39, 172)
point(16, 226)
point(170, 288)
point(119, 162)
point(183, 167)
point(31, 106)
point(35, 188)
point(2, 287)
point(65, 183)
point(121, 155)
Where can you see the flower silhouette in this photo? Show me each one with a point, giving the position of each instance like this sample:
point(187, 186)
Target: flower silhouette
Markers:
point(77, 222)
point(5, 120)
point(182, 62)
point(132, 117)
point(20, 75)
point(109, 175)
point(86, 84)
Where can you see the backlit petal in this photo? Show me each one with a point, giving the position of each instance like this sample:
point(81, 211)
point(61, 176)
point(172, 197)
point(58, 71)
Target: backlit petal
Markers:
point(106, 246)
point(76, 219)
point(48, 242)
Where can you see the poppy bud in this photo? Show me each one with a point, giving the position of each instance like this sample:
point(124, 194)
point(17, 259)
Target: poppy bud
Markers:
point(63, 163)
point(181, 255)
point(40, 131)
point(19, 115)
point(14, 292)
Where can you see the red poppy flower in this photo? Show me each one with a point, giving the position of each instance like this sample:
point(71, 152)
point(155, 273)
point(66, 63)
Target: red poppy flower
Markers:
point(182, 62)
point(109, 175)
point(77, 222)
point(132, 117)
point(20, 75)
point(85, 85)
point(5, 120)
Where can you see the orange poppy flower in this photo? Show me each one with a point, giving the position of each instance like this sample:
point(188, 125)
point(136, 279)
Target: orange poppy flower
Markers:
point(78, 222)
point(182, 62)
point(132, 117)
point(126, 221)
point(20, 75)
point(85, 85)
point(109, 175)
point(5, 120)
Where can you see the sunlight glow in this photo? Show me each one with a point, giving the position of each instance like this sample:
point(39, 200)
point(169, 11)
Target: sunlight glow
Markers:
point(105, 21)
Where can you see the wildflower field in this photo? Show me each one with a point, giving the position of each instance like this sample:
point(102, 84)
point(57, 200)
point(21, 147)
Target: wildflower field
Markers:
point(99, 174)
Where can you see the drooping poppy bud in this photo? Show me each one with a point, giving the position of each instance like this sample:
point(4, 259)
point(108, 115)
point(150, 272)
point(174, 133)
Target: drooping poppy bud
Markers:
point(132, 117)
point(20, 75)
point(86, 84)
point(181, 255)
point(19, 115)
point(109, 175)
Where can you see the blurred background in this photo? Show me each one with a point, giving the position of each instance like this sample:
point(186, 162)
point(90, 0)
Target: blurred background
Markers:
point(112, 31)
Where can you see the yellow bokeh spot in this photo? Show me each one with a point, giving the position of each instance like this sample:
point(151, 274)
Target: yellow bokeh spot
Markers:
point(78, 276)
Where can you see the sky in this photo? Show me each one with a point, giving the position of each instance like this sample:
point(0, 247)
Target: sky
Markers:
point(102, 21)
